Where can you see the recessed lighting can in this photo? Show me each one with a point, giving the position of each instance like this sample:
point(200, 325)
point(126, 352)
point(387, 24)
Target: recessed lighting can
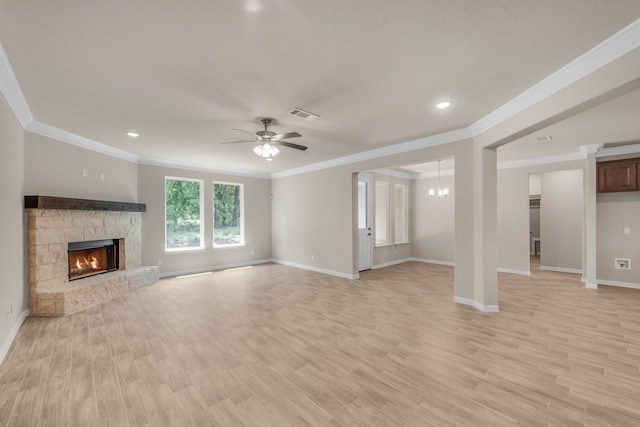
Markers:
point(444, 104)
point(133, 134)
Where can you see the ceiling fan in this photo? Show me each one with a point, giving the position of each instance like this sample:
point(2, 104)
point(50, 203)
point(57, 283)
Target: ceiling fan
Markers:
point(267, 141)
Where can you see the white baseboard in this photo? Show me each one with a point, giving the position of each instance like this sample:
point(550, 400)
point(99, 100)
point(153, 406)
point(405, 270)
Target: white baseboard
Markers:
point(620, 284)
point(214, 268)
point(476, 304)
point(512, 271)
point(390, 263)
point(433, 261)
point(12, 335)
point(562, 269)
point(316, 269)
point(590, 285)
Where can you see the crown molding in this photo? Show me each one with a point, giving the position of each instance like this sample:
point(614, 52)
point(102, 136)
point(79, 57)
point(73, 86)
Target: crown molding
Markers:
point(188, 166)
point(394, 173)
point(403, 147)
point(536, 161)
point(618, 151)
point(79, 141)
point(12, 92)
point(621, 43)
point(590, 149)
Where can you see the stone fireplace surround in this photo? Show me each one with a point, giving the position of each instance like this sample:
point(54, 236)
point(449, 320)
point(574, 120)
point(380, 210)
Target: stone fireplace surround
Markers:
point(53, 222)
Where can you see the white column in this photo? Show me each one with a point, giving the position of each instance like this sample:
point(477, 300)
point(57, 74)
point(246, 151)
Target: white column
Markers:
point(589, 258)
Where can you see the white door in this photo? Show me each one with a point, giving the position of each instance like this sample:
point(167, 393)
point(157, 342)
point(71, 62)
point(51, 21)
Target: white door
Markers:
point(365, 239)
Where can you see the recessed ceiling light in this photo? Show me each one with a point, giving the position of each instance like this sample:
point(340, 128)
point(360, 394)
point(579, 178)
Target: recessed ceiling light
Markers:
point(444, 104)
point(133, 134)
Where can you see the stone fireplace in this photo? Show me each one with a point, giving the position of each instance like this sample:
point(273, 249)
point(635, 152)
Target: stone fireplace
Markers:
point(83, 252)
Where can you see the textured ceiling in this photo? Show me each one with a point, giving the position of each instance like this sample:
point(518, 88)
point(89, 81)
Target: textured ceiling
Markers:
point(183, 74)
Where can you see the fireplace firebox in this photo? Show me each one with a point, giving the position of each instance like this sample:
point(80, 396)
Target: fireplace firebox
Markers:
point(93, 257)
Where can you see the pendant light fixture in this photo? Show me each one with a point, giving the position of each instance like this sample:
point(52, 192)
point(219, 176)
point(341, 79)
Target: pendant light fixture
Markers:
point(442, 191)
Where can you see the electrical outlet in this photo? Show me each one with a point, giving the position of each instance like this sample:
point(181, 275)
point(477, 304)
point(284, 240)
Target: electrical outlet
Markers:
point(159, 262)
point(313, 257)
point(623, 264)
point(101, 176)
point(84, 172)
point(626, 231)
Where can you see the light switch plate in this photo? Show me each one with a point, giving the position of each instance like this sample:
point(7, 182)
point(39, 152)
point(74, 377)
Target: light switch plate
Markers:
point(627, 230)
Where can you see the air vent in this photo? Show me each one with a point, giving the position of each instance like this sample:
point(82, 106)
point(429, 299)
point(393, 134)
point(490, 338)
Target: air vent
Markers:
point(298, 112)
point(544, 138)
point(534, 203)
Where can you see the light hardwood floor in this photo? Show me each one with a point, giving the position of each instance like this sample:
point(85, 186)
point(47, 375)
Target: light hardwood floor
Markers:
point(278, 346)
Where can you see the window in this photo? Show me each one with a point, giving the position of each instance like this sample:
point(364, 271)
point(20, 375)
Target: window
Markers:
point(382, 213)
point(228, 214)
point(402, 214)
point(183, 213)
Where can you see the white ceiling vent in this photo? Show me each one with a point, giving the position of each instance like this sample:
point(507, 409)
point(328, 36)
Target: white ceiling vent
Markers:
point(544, 138)
point(299, 112)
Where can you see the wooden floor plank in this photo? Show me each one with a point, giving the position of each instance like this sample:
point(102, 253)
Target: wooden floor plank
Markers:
point(278, 346)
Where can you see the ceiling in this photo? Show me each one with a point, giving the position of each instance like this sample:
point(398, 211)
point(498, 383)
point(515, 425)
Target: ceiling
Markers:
point(184, 74)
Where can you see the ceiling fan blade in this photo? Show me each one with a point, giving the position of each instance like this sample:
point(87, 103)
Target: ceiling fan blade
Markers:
point(233, 142)
point(280, 136)
point(246, 131)
point(290, 145)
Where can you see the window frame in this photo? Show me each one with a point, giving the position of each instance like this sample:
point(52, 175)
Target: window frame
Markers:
point(404, 211)
point(242, 222)
point(387, 241)
point(201, 219)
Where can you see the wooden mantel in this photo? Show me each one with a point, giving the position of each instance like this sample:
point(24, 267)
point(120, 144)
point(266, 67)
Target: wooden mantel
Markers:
point(49, 202)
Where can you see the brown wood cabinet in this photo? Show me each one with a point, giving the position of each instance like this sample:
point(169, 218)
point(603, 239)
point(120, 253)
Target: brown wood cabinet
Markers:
point(618, 175)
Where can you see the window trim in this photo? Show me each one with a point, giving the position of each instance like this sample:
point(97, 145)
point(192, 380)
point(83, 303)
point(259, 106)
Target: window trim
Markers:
point(405, 211)
point(202, 243)
point(387, 241)
point(242, 223)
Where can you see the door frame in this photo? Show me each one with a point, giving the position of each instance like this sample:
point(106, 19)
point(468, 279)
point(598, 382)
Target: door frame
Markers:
point(368, 179)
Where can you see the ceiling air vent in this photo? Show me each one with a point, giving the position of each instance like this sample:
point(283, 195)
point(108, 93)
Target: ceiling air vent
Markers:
point(298, 112)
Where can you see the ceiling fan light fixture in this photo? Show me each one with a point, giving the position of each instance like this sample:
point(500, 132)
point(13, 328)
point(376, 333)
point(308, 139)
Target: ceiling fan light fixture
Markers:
point(444, 104)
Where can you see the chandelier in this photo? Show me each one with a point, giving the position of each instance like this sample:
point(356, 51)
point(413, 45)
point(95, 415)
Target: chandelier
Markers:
point(442, 192)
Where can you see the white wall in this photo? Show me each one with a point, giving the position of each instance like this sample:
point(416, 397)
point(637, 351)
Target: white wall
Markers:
point(433, 221)
point(616, 211)
point(313, 220)
point(513, 213)
point(257, 211)
point(13, 276)
point(54, 168)
point(561, 220)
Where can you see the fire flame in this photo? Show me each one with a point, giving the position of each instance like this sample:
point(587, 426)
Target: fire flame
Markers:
point(93, 264)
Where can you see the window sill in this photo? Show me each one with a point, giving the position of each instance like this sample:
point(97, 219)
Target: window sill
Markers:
point(183, 250)
point(238, 246)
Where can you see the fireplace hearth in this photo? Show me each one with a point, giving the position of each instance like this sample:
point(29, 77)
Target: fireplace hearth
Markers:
point(93, 257)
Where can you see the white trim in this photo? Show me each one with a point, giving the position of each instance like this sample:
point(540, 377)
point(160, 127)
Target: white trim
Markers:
point(213, 268)
point(12, 335)
point(185, 166)
point(621, 43)
point(512, 271)
point(590, 285)
point(590, 148)
point(546, 160)
point(394, 173)
point(403, 147)
point(476, 304)
point(433, 261)
point(617, 151)
point(619, 284)
point(561, 269)
point(316, 269)
point(79, 141)
point(390, 263)
point(448, 172)
point(12, 92)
